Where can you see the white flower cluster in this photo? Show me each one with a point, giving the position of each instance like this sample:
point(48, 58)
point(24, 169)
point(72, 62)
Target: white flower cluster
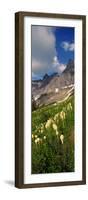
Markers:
point(62, 138)
point(48, 123)
point(62, 115)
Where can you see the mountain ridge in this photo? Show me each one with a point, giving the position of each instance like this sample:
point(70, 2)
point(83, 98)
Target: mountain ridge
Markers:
point(51, 86)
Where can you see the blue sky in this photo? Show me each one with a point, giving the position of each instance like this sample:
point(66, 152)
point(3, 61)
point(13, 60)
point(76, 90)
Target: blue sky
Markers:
point(52, 47)
point(64, 34)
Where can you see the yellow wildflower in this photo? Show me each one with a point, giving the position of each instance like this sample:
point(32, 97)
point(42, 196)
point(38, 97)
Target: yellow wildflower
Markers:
point(54, 127)
point(48, 123)
point(38, 140)
point(56, 116)
point(57, 133)
point(42, 128)
point(44, 137)
point(62, 138)
point(41, 131)
point(36, 136)
point(62, 115)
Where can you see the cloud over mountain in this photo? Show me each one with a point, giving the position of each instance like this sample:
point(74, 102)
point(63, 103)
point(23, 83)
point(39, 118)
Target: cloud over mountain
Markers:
point(44, 54)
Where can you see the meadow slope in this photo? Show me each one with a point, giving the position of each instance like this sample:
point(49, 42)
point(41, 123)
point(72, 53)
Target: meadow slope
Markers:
point(53, 138)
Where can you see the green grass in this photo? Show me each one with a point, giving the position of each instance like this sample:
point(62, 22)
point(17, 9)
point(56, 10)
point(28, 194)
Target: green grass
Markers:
point(49, 154)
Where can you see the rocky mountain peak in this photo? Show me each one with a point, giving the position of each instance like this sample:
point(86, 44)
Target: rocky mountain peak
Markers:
point(46, 76)
point(70, 67)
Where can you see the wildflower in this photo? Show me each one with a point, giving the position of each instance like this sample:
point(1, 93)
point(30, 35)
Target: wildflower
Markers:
point(36, 136)
point(62, 138)
point(48, 123)
point(44, 137)
point(42, 128)
point(41, 131)
point(56, 116)
point(55, 127)
point(62, 115)
point(38, 140)
point(57, 133)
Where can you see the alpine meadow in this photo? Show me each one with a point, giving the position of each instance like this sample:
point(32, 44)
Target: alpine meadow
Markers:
point(52, 100)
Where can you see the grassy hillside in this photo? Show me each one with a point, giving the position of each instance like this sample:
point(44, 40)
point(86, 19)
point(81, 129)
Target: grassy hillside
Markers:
point(53, 138)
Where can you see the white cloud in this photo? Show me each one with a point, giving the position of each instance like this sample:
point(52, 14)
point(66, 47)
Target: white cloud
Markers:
point(44, 55)
point(57, 66)
point(67, 46)
point(43, 48)
point(61, 68)
point(55, 59)
point(71, 47)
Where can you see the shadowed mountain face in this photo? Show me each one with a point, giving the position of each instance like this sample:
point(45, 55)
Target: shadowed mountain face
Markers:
point(54, 87)
point(70, 67)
